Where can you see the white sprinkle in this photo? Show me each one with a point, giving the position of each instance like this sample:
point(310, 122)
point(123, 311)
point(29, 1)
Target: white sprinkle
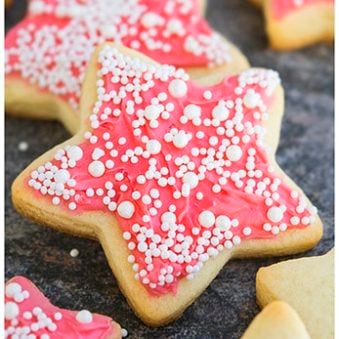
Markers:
point(72, 206)
point(236, 240)
point(62, 176)
point(74, 252)
point(192, 111)
point(207, 95)
point(168, 217)
point(75, 153)
point(223, 222)
point(267, 227)
point(234, 153)
point(126, 209)
point(275, 214)
point(57, 316)
point(181, 139)
point(294, 194)
point(247, 231)
point(84, 317)
point(23, 146)
point(11, 310)
point(12, 289)
point(122, 141)
point(295, 220)
point(27, 315)
point(153, 146)
point(97, 153)
point(220, 112)
point(96, 169)
point(206, 219)
point(191, 179)
point(251, 99)
point(177, 88)
point(199, 195)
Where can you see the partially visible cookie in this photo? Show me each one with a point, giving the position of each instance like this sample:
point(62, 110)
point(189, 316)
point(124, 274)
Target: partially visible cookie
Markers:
point(29, 314)
point(307, 284)
point(47, 52)
point(295, 24)
point(278, 320)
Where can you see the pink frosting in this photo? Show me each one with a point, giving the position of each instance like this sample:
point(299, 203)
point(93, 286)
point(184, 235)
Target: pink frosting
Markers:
point(183, 168)
point(282, 8)
point(52, 45)
point(28, 311)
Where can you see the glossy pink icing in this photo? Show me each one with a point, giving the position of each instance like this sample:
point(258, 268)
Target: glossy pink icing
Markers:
point(51, 47)
point(34, 308)
point(282, 8)
point(134, 164)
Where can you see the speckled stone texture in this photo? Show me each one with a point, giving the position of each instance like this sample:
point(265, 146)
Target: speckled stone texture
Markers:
point(228, 305)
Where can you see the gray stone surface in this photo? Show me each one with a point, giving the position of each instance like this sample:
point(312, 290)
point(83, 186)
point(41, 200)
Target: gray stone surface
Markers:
point(227, 306)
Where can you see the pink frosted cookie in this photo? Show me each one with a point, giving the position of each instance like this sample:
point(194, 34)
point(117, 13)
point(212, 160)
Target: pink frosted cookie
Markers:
point(48, 52)
point(29, 314)
point(174, 179)
point(292, 24)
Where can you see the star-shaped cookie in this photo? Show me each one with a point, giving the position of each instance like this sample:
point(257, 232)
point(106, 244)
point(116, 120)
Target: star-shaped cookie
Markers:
point(292, 24)
point(29, 314)
point(277, 320)
point(307, 284)
point(173, 178)
point(48, 52)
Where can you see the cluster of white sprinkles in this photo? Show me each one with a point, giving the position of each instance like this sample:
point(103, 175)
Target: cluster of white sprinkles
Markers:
point(184, 169)
point(54, 54)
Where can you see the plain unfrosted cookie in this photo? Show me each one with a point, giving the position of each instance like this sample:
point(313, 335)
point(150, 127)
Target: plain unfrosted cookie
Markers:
point(307, 284)
point(292, 24)
point(29, 314)
point(47, 53)
point(172, 178)
point(277, 320)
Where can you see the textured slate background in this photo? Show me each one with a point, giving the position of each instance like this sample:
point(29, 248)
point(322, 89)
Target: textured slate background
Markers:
point(226, 308)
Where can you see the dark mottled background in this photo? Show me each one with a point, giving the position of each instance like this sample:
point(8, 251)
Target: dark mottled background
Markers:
point(228, 305)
